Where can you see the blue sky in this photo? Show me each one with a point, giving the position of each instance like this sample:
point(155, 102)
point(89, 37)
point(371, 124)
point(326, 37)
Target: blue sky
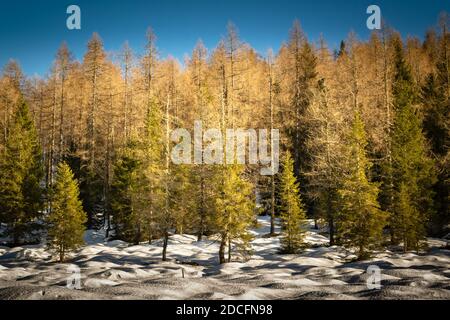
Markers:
point(31, 31)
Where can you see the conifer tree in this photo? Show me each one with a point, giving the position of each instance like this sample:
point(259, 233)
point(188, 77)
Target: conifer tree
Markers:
point(436, 100)
point(182, 202)
point(413, 170)
point(11, 81)
point(202, 194)
point(361, 221)
point(342, 50)
point(235, 209)
point(92, 179)
point(67, 218)
point(137, 187)
point(326, 150)
point(124, 191)
point(412, 224)
point(292, 213)
point(92, 114)
point(301, 78)
point(150, 178)
point(201, 175)
point(21, 173)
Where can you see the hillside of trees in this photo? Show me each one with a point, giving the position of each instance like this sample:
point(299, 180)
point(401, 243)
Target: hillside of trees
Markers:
point(364, 143)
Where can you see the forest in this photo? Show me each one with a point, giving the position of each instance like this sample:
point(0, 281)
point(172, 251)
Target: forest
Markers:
point(364, 143)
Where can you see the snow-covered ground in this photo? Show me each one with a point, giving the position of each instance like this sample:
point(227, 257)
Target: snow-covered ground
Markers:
point(115, 270)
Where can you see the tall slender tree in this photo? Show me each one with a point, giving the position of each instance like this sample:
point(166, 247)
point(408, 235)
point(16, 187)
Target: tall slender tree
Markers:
point(327, 155)
point(21, 173)
point(63, 63)
point(299, 79)
point(66, 219)
point(127, 218)
point(235, 207)
point(413, 170)
point(153, 164)
point(94, 65)
point(361, 221)
point(292, 213)
point(436, 100)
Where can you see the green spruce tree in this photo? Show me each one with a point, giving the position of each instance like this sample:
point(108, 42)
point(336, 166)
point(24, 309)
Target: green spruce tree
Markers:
point(125, 190)
point(412, 223)
point(21, 173)
point(435, 98)
point(292, 213)
point(302, 77)
point(66, 219)
point(361, 221)
point(150, 177)
point(413, 171)
point(235, 207)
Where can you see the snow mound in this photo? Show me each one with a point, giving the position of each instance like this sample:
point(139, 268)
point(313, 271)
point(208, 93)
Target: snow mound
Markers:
point(117, 270)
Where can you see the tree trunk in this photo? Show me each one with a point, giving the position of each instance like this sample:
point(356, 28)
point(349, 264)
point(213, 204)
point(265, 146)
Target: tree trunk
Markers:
point(272, 213)
point(52, 140)
point(61, 253)
point(150, 238)
point(200, 232)
point(202, 205)
point(331, 227)
point(223, 243)
point(229, 249)
point(165, 243)
point(137, 238)
point(316, 223)
point(61, 122)
point(16, 238)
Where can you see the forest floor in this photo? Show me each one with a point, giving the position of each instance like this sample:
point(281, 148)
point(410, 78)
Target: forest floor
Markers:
point(115, 270)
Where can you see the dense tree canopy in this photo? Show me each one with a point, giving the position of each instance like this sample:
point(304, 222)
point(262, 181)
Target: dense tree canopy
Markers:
point(110, 118)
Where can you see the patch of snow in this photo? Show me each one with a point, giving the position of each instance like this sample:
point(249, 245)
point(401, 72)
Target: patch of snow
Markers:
point(124, 271)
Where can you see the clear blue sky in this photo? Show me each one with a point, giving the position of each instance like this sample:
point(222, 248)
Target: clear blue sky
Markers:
point(31, 31)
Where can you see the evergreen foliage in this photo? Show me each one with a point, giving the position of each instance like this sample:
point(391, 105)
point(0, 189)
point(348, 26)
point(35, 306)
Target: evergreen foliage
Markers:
point(66, 219)
point(413, 170)
point(361, 221)
point(235, 213)
point(292, 213)
point(21, 173)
